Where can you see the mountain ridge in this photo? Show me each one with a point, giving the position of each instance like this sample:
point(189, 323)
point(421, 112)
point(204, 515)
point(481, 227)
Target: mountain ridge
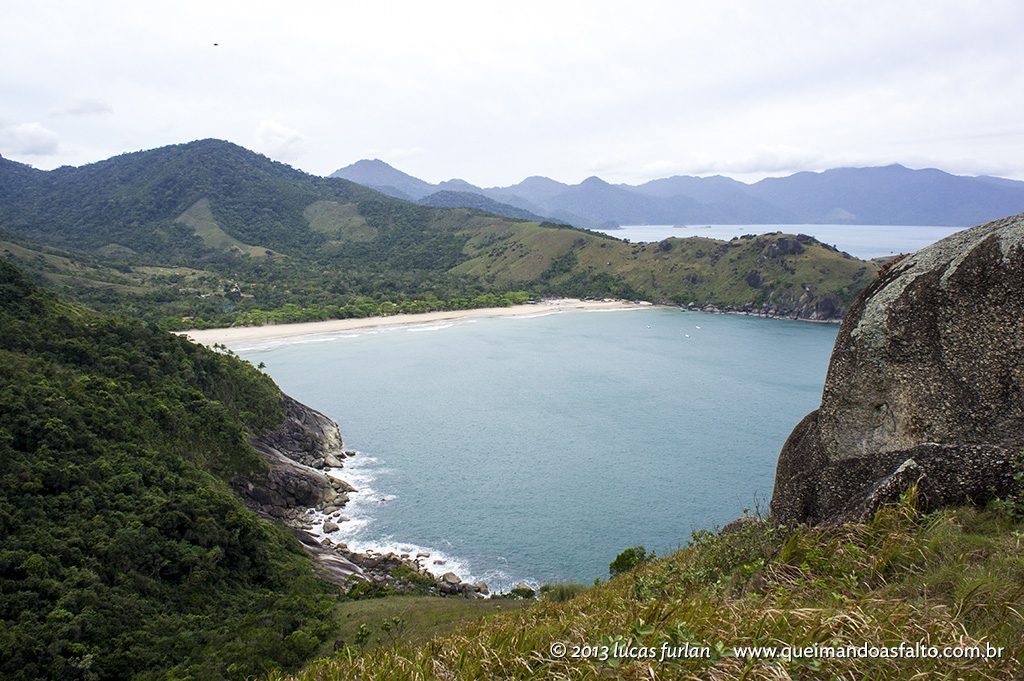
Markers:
point(891, 194)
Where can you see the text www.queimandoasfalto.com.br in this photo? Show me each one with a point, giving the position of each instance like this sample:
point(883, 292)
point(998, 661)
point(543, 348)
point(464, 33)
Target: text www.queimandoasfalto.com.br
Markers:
point(669, 651)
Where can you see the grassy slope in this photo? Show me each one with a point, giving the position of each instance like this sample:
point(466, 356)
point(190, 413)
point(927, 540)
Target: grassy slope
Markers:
point(421, 617)
point(199, 218)
point(952, 578)
point(695, 269)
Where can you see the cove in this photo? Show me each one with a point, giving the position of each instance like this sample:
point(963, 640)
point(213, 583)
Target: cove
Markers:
point(537, 448)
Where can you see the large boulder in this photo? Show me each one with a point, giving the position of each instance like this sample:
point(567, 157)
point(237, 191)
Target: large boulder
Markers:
point(925, 384)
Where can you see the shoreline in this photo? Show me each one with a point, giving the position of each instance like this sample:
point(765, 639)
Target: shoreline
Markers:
point(248, 334)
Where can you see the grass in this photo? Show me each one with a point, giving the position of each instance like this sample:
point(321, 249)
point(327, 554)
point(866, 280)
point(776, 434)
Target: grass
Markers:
point(954, 578)
point(744, 271)
point(199, 218)
point(340, 221)
point(421, 617)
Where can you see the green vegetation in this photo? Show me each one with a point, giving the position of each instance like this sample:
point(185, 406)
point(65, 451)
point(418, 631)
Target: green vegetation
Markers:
point(124, 552)
point(210, 234)
point(953, 578)
point(560, 593)
point(200, 220)
point(629, 559)
point(420, 618)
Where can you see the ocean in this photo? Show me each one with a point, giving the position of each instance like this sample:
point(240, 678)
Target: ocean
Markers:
point(537, 448)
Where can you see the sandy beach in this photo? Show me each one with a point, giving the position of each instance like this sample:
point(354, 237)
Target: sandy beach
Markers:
point(249, 334)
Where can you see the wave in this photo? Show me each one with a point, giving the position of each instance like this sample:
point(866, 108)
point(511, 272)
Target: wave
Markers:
point(618, 309)
point(356, 521)
point(431, 327)
point(534, 316)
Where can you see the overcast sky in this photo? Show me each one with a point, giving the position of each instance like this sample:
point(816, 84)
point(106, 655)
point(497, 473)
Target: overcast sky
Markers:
point(493, 93)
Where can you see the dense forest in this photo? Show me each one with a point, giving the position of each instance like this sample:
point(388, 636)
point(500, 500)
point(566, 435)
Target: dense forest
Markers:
point(124, 552)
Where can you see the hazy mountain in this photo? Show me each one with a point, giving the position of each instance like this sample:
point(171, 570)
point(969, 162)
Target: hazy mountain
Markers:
point(380, 176)
point(456, 199)
point(892, 195)
point(534, 188)
point(883, 195)
point(457, 185)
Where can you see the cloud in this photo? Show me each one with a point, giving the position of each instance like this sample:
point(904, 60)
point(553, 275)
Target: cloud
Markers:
point(28, 139)
point(403, 153)
point(86, 107)
point(765, 159)
point(279, 141)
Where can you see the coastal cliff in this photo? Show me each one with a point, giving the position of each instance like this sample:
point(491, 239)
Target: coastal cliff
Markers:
point(297, 452)
point(925, 385)
point(305, 443)
point(302, 455)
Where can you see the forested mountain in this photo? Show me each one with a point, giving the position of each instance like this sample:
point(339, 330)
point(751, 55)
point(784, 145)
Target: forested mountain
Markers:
point(123, 551)
point(890, 195)
point(209, 233)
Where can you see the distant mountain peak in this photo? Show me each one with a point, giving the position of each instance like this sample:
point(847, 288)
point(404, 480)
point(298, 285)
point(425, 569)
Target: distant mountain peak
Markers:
point(458, 185)
point(372, 163)
point(380, 175)
point(594, 181)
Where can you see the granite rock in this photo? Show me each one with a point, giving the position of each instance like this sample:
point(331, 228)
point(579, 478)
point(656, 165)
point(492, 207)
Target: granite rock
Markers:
point(928, 369)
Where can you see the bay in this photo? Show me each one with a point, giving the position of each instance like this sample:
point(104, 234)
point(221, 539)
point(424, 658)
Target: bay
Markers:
point(861, 241)
point(537, 448)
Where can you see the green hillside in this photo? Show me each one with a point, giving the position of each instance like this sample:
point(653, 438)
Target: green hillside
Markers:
point(951, 580)
point(262, 242)
point(123, 551)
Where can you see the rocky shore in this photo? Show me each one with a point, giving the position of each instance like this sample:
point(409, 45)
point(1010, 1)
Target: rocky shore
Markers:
point(302, 491)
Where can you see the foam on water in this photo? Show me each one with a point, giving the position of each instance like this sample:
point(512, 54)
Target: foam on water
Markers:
point(536, 316)
point(429, 327)
point(357, 532)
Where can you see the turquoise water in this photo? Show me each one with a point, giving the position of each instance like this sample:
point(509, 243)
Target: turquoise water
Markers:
point(537, 448)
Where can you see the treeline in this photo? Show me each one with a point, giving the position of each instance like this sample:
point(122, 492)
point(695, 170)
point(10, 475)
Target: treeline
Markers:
point(372, 308)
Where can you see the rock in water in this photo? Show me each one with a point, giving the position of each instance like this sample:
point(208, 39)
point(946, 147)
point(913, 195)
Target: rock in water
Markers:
point(926, 383)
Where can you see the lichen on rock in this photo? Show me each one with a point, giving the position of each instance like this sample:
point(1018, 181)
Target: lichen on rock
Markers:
point(928, 366)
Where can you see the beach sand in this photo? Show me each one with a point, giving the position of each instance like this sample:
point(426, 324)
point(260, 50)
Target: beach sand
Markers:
point(248, 334)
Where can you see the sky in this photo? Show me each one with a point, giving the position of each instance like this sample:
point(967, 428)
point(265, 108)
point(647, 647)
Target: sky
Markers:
point(494, 92)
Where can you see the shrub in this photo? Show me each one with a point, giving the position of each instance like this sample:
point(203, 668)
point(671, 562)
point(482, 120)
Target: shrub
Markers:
point(629, 559)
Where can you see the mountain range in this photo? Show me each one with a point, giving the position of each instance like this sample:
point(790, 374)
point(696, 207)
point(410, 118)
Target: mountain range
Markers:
point(208, 233)
point(886, 195)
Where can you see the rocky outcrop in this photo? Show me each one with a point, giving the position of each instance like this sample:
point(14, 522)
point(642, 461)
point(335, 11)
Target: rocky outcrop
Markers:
point(305, 442)
point(925, 384)
point(308, 436)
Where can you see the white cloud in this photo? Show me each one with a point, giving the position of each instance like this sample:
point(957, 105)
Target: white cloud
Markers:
point(28, 139)
point(279, 141)
point(497, 92)
point(765, 159)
